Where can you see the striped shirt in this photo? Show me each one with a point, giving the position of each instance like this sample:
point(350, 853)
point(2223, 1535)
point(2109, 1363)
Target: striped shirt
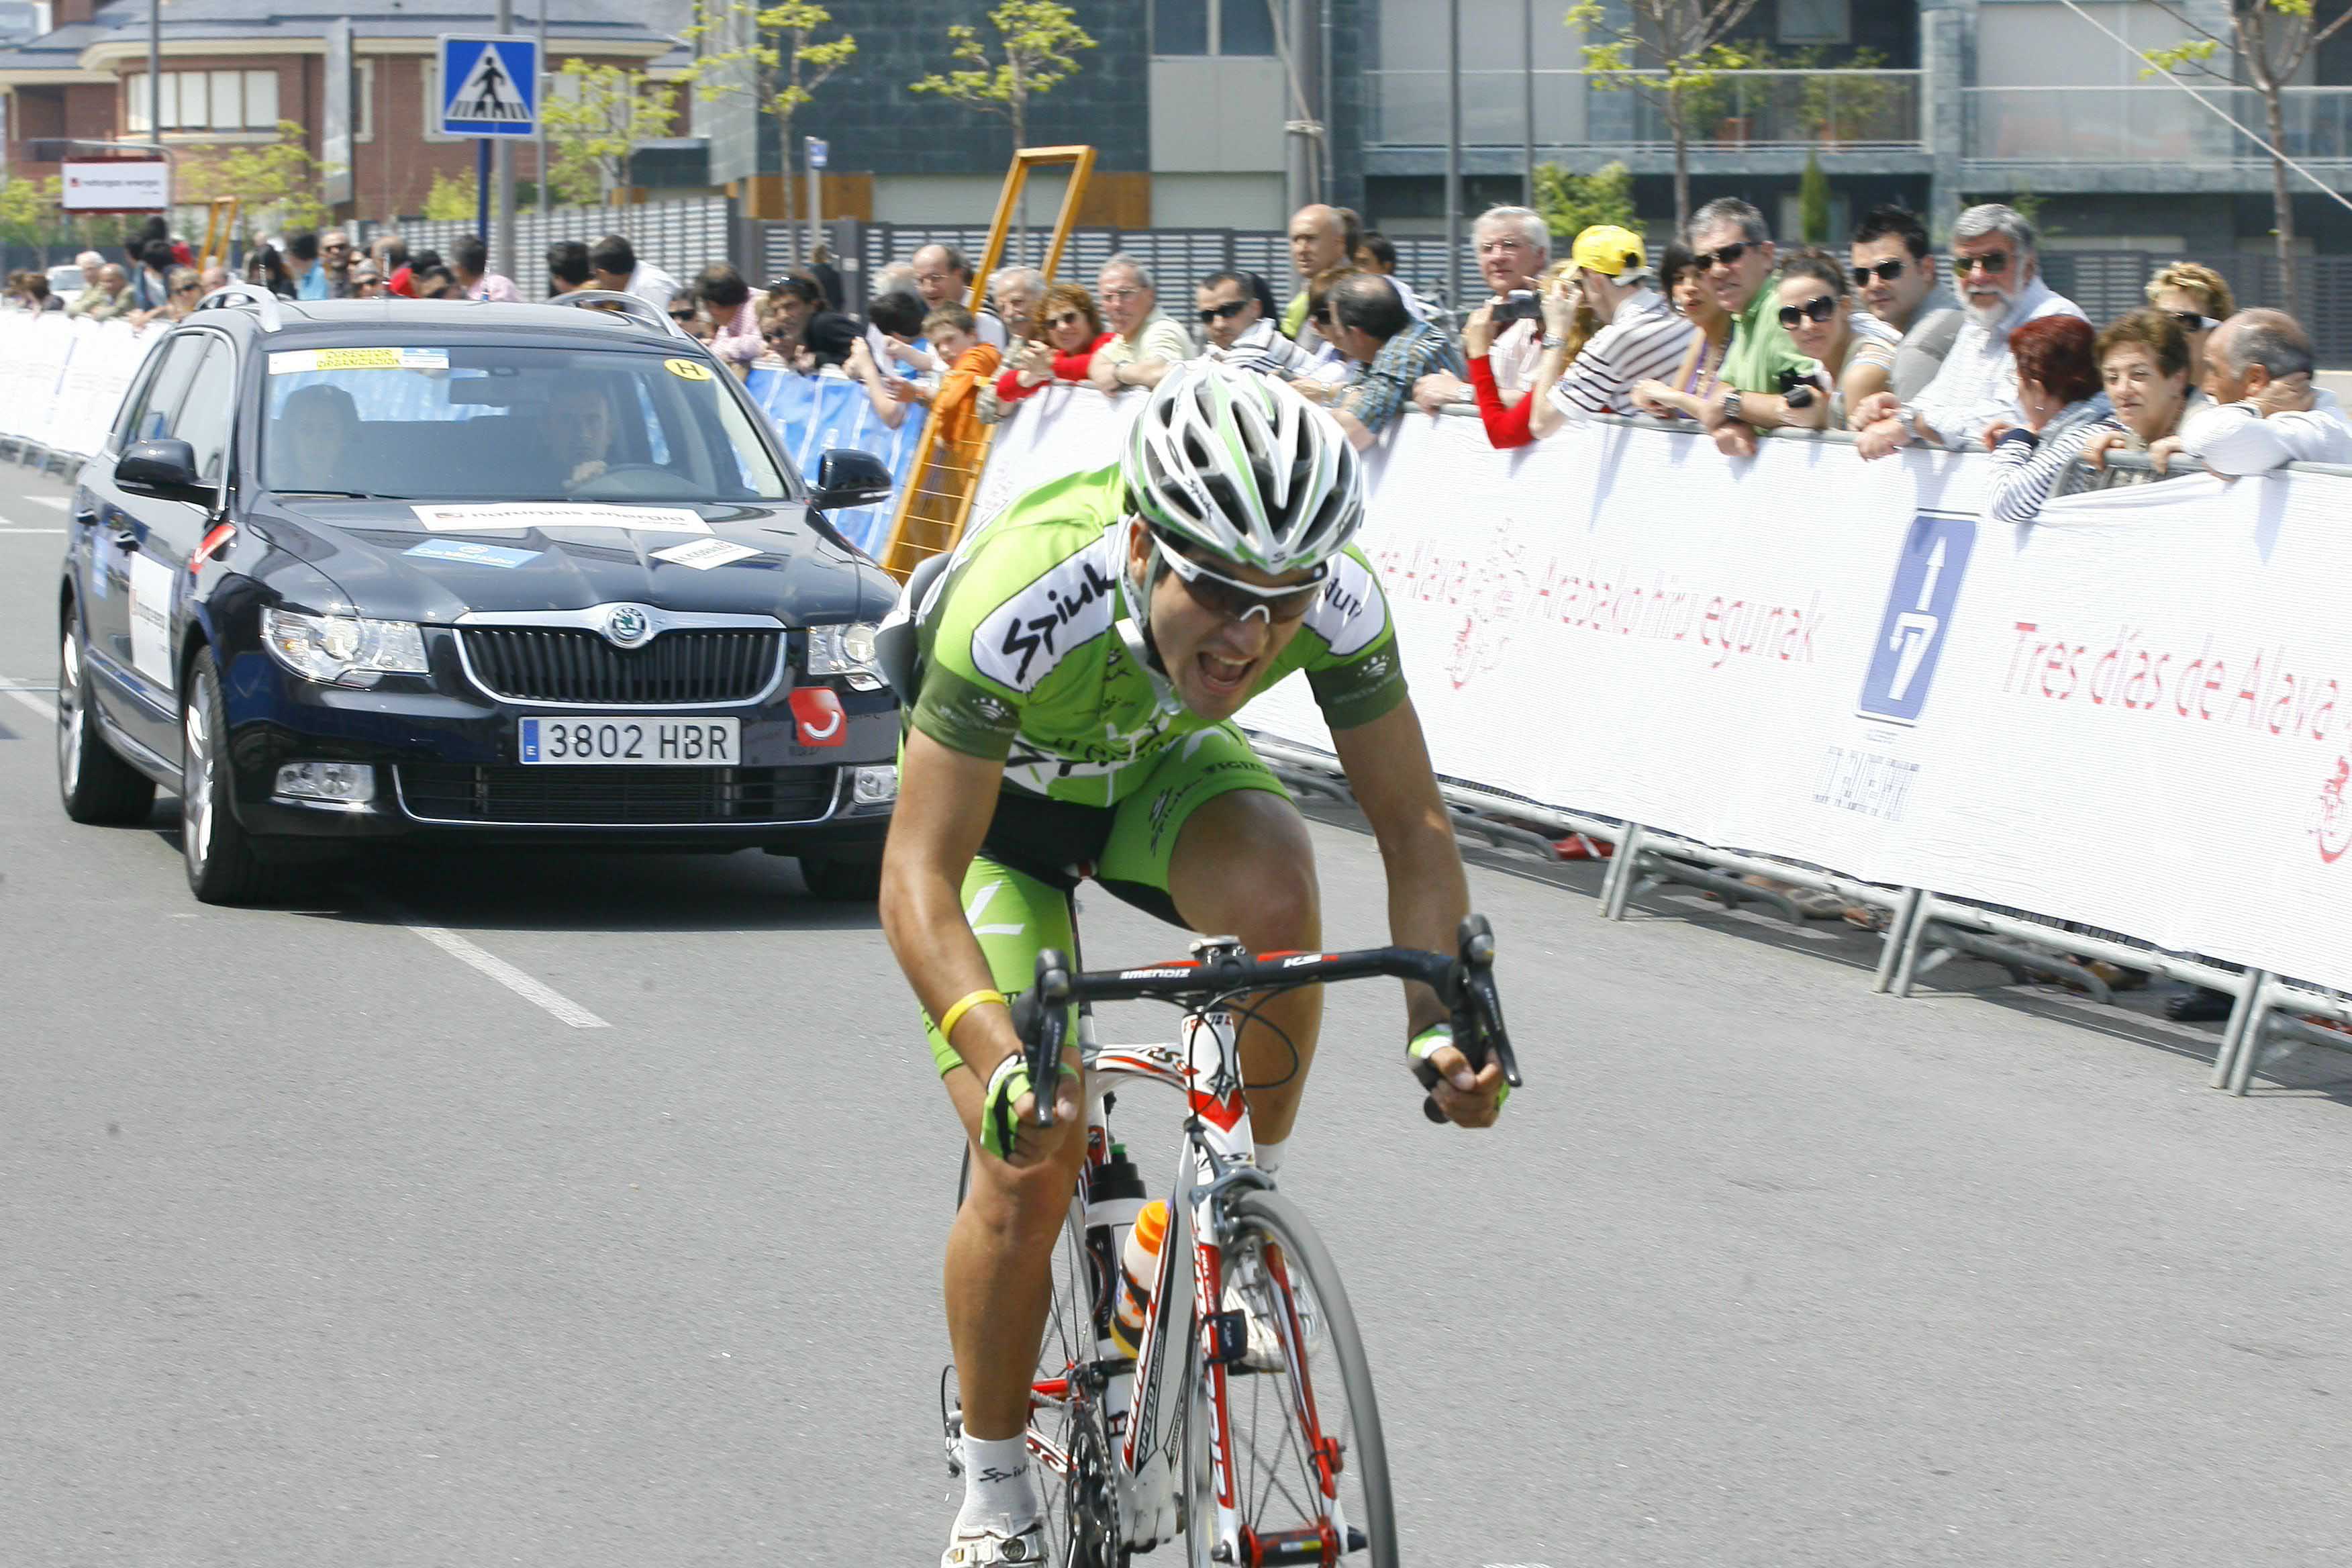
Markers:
point(2027, 466)
point(1645, 341)
point(1265, 350)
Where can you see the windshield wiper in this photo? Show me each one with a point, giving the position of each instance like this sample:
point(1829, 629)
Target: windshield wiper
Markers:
point(339, 495)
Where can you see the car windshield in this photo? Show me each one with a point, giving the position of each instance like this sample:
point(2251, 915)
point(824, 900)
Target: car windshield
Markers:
point(449, 422)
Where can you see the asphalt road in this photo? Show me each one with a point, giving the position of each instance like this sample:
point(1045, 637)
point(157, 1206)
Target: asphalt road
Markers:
point(587, 1211)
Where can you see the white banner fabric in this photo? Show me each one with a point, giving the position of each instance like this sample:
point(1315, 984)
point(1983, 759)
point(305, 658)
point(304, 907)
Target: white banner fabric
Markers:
point(2135, 713)
point(61, 380)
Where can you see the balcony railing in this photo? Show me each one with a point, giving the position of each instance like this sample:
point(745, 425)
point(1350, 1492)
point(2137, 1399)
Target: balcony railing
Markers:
point(2150, 123)
point(1579, 110)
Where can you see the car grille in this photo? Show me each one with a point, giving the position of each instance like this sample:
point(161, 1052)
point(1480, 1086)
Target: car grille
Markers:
point(614, 797)
point(676, 669)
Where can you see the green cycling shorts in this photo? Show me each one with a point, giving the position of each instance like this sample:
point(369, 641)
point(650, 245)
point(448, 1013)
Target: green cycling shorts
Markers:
point(1016, 896)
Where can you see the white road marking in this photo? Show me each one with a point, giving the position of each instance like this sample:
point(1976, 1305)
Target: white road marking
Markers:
point(507, 976)
point(58, 501)
point(3, 529)
point(37, 704)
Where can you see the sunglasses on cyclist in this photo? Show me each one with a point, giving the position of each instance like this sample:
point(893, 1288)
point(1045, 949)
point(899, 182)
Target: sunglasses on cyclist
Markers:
point(1224, 312)
point(2191, 321)
point(1236, 600)
point(1820, 308)
point(1729, 257)
point(1885, 271)
point(1993, 264)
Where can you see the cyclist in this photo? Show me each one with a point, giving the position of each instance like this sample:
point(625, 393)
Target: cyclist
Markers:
point(1081, 660)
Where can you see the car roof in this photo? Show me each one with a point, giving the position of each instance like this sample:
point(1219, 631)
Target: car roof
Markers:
point(301, 322)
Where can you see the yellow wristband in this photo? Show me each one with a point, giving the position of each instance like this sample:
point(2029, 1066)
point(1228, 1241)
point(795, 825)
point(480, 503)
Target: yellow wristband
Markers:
point(954, 1015)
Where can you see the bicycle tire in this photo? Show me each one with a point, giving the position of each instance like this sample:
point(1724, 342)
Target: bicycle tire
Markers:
point(1269, 1498)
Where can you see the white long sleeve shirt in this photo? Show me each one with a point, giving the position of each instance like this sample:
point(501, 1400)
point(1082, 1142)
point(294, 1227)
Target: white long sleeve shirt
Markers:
point(1977, 383)
point(2234, 439)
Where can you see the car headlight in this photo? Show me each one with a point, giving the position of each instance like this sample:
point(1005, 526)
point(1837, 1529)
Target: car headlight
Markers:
point(333, 648)
point(846, 651)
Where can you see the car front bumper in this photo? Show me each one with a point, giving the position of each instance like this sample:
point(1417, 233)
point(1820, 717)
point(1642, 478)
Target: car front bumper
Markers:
point(442, 757)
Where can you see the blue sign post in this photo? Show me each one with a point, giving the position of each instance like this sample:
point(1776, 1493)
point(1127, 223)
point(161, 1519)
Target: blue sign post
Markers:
point(490, 87)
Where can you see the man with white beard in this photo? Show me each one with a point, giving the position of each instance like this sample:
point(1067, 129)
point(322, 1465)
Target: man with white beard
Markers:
point(1997, 274)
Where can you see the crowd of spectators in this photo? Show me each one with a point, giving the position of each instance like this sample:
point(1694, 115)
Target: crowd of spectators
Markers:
point(1726, 333)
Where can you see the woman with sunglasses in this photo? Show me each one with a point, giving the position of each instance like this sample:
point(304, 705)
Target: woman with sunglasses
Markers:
point(184, 287)
point(1853, 348)
point(1074, 329)
point(2198, 298)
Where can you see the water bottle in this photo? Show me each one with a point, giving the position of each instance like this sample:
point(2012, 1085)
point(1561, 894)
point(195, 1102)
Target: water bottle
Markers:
point(1139, 1277)
point(1114, 1197)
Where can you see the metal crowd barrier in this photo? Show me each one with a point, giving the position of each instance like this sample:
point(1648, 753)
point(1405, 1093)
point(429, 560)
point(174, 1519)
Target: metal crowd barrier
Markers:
point(1923, 929)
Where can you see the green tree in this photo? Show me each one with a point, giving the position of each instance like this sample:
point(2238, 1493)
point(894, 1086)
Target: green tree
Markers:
point(1813, 202)
point(1571, 203)
point(1673, 53)
point(278, 185)
point(771, 55)
point(593, 122)
point(1035, 42)
point(453, 196)
point(2269, 42)
point(31, 215)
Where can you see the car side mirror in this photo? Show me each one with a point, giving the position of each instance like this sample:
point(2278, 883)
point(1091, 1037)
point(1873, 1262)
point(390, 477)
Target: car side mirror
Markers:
point(850, 478)
point(166, 468)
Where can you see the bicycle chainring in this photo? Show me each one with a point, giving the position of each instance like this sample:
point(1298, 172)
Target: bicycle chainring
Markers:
point(1096, 1539)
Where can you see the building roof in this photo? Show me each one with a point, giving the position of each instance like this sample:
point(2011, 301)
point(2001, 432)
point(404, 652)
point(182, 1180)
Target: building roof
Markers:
point(653, 24)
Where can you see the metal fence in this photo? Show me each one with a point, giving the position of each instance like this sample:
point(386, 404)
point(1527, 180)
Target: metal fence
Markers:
point(2107, 283)
point(681, 237)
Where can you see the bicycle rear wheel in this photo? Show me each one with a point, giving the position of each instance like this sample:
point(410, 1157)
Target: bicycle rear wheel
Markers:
point(1305, 1439)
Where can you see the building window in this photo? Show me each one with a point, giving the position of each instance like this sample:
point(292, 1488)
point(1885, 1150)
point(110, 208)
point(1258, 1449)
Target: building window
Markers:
point(204, 101)
point(1816, 21)
point(1213, 27)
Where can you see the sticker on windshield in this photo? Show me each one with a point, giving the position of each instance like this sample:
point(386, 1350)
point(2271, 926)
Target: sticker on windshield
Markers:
point(687, 370)
point(705, 553)
point(467, 553)
point(292, 362)
point(518, 515)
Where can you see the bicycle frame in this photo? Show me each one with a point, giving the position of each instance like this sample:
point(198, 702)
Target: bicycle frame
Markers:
point(1219, 1155)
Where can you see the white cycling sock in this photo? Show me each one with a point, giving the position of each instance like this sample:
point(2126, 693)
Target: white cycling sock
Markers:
point(1269, 1153)
point(1000, 1485)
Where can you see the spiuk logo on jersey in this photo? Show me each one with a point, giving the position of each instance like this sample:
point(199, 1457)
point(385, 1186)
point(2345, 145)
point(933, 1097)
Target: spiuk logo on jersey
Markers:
point(1068, 606)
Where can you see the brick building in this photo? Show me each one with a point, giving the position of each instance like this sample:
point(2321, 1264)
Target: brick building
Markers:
point(234, 68)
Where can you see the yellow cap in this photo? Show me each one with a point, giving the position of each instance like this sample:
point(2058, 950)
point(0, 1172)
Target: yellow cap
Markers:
point(1605, 248)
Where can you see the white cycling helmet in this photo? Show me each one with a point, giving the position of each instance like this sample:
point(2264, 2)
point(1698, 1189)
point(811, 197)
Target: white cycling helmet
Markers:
point(1241, 465)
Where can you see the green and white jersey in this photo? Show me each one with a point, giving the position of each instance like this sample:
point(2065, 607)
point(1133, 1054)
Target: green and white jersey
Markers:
point(1022, 661)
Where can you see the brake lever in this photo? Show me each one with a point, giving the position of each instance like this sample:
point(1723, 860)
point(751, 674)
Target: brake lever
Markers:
point(1477, 1007)
point(1044, 1030)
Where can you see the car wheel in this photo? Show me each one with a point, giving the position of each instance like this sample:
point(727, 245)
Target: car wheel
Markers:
point(96, 785)
point(224, 867)
point(843, 881)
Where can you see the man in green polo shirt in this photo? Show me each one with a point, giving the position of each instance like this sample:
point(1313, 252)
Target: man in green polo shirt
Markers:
point(1735, 259)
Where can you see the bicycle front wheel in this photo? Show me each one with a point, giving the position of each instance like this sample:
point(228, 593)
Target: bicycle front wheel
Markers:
point(1302, 1433)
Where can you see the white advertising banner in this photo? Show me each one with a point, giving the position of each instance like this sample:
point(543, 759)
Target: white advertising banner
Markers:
point(115, 186)
point(2135, 713)
point(62, 380)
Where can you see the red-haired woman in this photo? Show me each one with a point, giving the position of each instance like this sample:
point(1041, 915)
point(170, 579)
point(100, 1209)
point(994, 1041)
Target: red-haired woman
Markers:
point(2057, 390)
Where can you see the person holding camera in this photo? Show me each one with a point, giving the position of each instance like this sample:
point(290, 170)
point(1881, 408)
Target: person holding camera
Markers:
point(1641, 338)
point(1765, 381)
point(1514, 247)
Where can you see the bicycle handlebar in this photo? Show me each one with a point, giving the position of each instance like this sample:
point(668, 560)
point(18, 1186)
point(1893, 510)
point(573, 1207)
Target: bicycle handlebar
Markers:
point(1464, 983)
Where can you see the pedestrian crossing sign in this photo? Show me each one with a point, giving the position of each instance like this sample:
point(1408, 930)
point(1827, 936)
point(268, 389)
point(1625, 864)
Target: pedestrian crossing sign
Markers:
point(489, 86)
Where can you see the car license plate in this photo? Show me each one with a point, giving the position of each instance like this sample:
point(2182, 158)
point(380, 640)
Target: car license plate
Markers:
point(631, 743)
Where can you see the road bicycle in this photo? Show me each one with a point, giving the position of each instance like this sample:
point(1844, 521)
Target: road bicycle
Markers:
point(1245, 1423)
